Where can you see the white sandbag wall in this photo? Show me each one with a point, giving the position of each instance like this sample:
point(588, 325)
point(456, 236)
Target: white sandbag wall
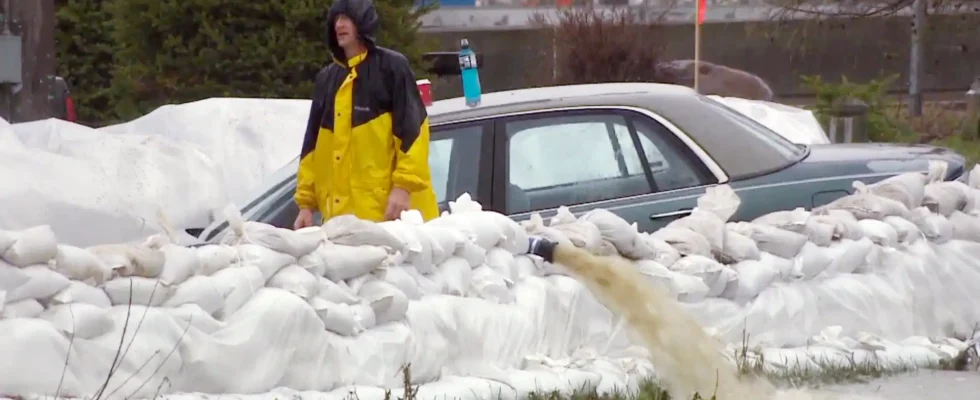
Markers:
point(346, 305)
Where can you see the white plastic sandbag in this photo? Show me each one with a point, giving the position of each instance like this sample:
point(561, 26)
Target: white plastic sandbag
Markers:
point(502, 261)
point(737, 247)
point(130, 259)
point(880, 233)
point(42, 283)
point(487, 284)
point(240, 283)
point(342, 262)
point(6, 240)
point(296, 280)
point(811, 261)
point(348, 230)
point(793, 221)
point(621, 234)
point(204, 291)
point(907, 188)
point(842, 223)
point(780, 242)
point(933, 226)
point(138, 291)
point(685, 241)
point(11, 277)
point(719, 200)
point(447, 239)
point(975, 177)
point(455, 274)
point(31, 246)
point(866, 205)
point(80, 264)
point(79, 292)
point(664, 253)
point(715, 275)
point(945, 197)
point(817, 232)
point(683, 287)
point(27, 308)
point(388, 303)
point(849, 255)
point(753, 277)
point(784, 267)
point(179, 264)
point(79, 320)
point(215, 257)
point(705, 224)
point(344, 319)
point(265, 259)
point(582, 234)
point(335, 292)
point(907, 232)
point(535, 226)
point(293, 243)
point(419, 248)
point(403, 278)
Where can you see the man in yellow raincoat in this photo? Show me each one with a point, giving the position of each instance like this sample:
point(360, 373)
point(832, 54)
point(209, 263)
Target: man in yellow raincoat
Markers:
point(366, 149)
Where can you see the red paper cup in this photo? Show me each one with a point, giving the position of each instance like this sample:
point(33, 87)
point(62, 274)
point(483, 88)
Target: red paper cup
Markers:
point(425, 89)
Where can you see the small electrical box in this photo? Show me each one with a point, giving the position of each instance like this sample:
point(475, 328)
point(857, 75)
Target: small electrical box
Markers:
point(10, 59)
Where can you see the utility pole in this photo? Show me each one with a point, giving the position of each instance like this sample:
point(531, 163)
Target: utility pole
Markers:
point(33, 21)
point(916, 57)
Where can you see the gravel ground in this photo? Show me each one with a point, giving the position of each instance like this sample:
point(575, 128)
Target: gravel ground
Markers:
point(929, 385)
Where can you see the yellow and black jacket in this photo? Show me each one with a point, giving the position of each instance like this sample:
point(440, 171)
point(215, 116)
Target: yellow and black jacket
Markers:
point(368, 130)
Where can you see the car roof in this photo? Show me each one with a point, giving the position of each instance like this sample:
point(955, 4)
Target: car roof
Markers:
point(710, 124)
point(543, 98)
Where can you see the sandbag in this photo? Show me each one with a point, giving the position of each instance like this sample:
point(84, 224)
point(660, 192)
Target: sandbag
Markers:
point(817, 232)
point(907, 232)
point(907, 188)
point(848, 255)
point(711, 272)
point(447, 239)
point(779, 242)
point(215, 257)
point(138, 291)
point(296, 280)
point(11, 277)
point(583, 234)
point(179, 264)
point(502, 261)
point(80, 264)
point(27, 308)
point(30, 246)
point(455, 274)
point(685, 241)
point(388, 303)
point(811, 261)
point(793, 221)
point(866, 205)
point(705, 224)
point(684, 288)
point(294, 243)
point(880, 233)
point(975, 177)
point(621, 234)
point(79, 320)
point(933, 226)
point(736, 247)
point(535, 226)
point(487, 284)
point(42, 283)
point(783, 266)
point(401, 278)
point(664, 253)
point(419, 248)
point(945, 197)
point(335, 292)
point(344, 319)
point(201, 290)
point(719, 200)
point(965, 226)
point(753, 277)
point(348, 230)
point(79, 292)
point(6, 240)
point(130, 259)
point(268, 261)
point(342, 262)
point(240, 282)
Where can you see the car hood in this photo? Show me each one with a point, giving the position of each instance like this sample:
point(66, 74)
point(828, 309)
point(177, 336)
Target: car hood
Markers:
point(884, 157)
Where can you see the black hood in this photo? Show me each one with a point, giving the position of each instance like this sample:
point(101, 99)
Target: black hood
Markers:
point(365, 18)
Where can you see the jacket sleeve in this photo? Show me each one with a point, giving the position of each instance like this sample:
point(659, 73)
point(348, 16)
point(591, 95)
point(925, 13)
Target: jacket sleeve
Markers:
point(305, 190)
point(410, 124)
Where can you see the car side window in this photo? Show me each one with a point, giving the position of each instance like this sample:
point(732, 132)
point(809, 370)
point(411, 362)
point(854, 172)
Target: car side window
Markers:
point(454, 161)
point(669, 159)
point(570, 159)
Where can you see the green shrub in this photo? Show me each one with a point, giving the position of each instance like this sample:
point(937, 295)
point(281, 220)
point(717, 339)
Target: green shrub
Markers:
point(882, 127)
point(85, 56)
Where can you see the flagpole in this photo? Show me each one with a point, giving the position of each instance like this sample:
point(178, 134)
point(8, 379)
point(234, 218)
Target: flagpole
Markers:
point(697, 45)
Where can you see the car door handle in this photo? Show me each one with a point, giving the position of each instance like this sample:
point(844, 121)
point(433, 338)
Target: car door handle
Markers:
point(678, 213)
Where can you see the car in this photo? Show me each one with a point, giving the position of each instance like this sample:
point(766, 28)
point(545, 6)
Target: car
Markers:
point(643, 151)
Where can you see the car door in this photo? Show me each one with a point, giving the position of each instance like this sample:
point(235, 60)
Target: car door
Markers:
point(618, 159)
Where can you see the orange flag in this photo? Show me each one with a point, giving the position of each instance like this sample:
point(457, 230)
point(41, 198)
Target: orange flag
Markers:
point(702, 7)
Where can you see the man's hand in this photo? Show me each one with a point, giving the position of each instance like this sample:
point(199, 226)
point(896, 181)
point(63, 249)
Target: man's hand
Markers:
point(398, 201)
point(304, 219)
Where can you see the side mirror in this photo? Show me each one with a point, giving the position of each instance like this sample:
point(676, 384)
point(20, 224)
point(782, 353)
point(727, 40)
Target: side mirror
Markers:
point(446, 63)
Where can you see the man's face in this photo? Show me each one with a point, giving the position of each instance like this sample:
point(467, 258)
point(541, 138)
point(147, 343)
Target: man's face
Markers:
point(346, 31)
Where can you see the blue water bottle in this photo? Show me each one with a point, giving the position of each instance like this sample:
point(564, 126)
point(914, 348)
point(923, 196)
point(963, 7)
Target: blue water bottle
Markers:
point(471, 77)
